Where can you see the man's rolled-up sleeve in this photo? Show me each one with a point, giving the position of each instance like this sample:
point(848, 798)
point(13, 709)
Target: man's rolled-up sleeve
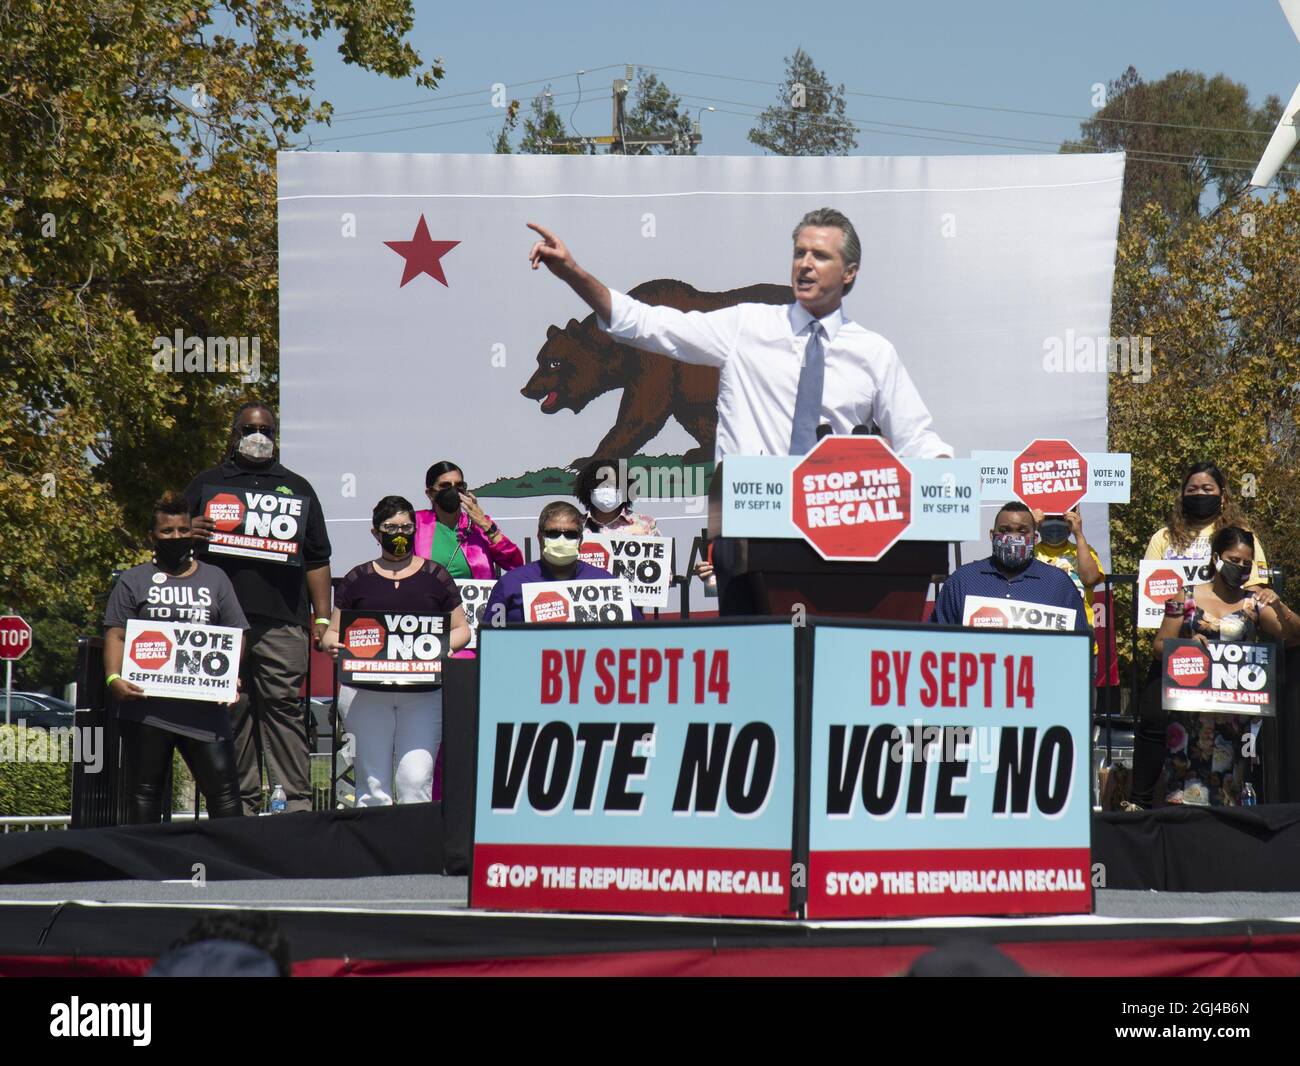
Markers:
point(902, 415)
point(705, 338)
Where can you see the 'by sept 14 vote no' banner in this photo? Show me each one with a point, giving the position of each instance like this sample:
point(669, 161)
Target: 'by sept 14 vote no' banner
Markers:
point(949, 773)
point(636, 769)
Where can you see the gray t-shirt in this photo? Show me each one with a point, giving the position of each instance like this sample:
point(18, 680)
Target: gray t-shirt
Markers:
point(205, 597)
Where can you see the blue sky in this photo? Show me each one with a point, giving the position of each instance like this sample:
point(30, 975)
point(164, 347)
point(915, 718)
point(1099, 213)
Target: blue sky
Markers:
point(1021, 55)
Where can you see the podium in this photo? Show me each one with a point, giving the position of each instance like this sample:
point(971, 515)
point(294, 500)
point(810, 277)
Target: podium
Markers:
point(761, 576)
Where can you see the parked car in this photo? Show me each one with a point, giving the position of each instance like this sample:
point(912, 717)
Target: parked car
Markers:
point(38, 709)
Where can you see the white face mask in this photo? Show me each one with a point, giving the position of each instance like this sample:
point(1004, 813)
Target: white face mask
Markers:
point(256, 446)
point(606, 498)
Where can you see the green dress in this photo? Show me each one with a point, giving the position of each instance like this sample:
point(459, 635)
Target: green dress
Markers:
point(446, 551)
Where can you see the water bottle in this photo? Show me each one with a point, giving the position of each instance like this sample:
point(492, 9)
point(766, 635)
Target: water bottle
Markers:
point(278, 800)
point(1248, 797)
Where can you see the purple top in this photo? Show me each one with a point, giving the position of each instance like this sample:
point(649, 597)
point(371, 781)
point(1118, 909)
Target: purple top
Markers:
point(509, 588)
point(430, 590)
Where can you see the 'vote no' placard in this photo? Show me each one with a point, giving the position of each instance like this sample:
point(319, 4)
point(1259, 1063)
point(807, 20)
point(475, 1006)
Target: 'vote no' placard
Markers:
point(268, 526)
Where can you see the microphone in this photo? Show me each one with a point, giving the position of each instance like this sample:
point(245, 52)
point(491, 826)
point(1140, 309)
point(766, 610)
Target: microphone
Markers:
point(824, 430)
point(871, 430)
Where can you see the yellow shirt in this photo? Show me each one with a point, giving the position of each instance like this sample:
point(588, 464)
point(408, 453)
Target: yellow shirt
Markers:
point(1066, 557)
point(1161, 547)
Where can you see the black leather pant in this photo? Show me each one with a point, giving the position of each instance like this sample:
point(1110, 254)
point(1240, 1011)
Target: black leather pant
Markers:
point(211, 762)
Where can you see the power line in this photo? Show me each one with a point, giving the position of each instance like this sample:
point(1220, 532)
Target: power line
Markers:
point(498, 114)
point(976, 107)
point(475, 92)
point(992, 140)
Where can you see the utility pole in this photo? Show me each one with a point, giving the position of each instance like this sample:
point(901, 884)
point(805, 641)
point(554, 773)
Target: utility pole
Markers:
point(619, 143)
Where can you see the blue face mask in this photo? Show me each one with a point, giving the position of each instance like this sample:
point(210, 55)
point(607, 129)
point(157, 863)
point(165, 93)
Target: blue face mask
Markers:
point(1013, 550)
point(1054, 531)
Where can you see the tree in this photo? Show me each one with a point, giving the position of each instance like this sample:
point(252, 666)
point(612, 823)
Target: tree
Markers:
point(1216, 297)
point(808, 118)
point(137, 199)
point(1187, 135)
point(501, 142)
point(544, 128)
point(657, 111)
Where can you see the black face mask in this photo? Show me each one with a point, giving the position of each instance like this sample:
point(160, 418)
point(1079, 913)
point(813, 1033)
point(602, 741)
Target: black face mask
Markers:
point(1054, 530)
point(172, 553)
point(396, 544)
point(1234, 574)
point(1201, 505)
point(447, 498)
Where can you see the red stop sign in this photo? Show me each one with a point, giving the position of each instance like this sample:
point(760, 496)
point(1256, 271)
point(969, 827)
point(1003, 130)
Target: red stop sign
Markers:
point(1188, 666)
point(1163, 585)
point(989, 618)
point(150, 650)
point(852, 498)
point(549, 607)
point(226, 511)
point(1051, 475)
point(593, 553)
point(15, 637)
point(364, 638)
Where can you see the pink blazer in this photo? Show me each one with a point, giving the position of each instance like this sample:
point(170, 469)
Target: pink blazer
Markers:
point(480, 553)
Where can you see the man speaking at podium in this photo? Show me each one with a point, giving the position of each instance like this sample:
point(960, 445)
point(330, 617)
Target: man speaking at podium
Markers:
point(785, 370)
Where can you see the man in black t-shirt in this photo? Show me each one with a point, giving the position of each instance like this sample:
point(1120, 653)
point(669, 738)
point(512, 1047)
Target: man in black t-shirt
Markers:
point(276, 597)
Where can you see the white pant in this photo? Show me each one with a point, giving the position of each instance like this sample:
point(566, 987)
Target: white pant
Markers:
point(392, 726)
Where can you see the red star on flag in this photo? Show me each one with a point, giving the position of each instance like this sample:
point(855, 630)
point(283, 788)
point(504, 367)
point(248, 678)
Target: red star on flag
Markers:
point(422, 254)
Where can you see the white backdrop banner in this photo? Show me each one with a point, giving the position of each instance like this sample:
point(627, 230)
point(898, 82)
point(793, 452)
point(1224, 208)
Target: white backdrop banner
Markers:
point(413, 330)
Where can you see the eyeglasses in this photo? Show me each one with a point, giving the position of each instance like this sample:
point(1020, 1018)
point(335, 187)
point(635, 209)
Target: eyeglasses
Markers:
point(251, 428)
point(408, 529)
point(567, 534)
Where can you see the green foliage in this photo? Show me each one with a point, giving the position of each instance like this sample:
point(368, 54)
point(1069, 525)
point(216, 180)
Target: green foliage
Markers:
point(31, 788)
point(1217, 297)
point(808, 117)
point(543, 128)
point(137, 198)
point(1187, 134)
point(657, 111)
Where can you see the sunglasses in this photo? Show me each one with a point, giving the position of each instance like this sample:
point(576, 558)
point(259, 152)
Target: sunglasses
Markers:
point(460, 486)
point(250, 429)
point(567, 534)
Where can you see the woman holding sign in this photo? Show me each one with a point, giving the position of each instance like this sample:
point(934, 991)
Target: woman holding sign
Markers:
point(395, 725)
point(1204, 507)
point(1201, 752)
point(173, 588)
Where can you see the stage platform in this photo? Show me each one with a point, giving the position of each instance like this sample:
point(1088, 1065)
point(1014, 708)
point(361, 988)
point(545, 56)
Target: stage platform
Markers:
point(419, 925)
point(377, 892)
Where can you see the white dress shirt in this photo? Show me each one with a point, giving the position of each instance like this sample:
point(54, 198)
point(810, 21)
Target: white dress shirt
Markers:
point(759, 349)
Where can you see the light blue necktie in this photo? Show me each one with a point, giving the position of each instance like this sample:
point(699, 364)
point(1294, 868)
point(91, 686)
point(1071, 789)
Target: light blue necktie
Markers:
point(808, 400)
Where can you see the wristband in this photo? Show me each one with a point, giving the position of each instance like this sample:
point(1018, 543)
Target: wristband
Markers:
point(111, 678)
point(322, 621)
point(491, 530)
